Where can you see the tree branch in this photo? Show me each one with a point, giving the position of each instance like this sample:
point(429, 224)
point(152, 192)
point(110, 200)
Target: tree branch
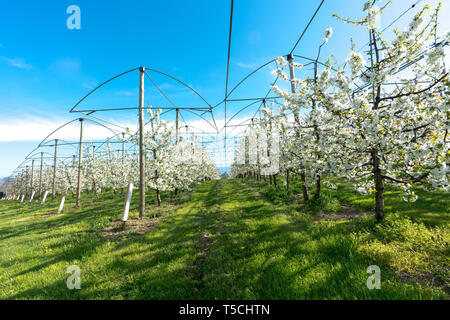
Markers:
point(414, 92)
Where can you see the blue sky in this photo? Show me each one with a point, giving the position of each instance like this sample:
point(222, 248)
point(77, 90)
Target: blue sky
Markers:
point(45, 68)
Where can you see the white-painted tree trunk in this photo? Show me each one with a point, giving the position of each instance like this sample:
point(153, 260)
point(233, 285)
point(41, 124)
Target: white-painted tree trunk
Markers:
point(45, 197)
point(32, 196)
point(126, 207)
point(61, 205)
point(23, 196)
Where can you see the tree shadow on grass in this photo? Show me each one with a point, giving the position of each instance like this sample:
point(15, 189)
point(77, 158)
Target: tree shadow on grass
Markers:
point(225, 243)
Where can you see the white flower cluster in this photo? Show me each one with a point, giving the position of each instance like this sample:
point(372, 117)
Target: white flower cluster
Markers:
point(383, 134)
point(169, 165)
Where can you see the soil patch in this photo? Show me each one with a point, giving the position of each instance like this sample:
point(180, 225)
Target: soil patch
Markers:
point(426, 279)
point(347, 213)
point(132, 228)
point(50, 213)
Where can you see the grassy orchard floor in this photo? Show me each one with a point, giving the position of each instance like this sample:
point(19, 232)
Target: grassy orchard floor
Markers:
point(229, 239)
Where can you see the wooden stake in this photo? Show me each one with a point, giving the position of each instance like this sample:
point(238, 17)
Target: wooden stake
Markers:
point(27, 177)
point(123, 155)
point(177, 131)
point(40, 174)
point(32, 176)
point(177, 135)
point(292, 77)
point(80, 158)
point(123, 148)
point(297, 121)
point(141, 144)
point(54, 170)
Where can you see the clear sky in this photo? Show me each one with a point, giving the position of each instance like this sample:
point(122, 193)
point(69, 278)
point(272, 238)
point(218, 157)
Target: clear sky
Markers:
point(45, 68)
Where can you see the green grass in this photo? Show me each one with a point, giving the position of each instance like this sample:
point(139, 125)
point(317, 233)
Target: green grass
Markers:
point(431, 208)
point(229, 239)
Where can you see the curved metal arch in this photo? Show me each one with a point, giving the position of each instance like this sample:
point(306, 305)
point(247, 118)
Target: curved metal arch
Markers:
point(97, 148)
point(30, 157)
point(41, 144)
point(102, 120)
point(149, 69)
point(241, 124)
point(186, 85)
point(201, 131)
point(314, 60)
point(115, 134)
point(201, 116)
point(60, 127)
point(198, 115)
point(100, 124)
point(99, 86)
point(244, 79)
point(22, 163)
point(264, 65)
point(171, 102)
point(242, 109)
point(295, 55)
point(65, 142)
point(160, 90)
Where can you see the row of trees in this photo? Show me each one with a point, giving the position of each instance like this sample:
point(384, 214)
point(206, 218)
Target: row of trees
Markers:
point(368, 121)
point(170, 166)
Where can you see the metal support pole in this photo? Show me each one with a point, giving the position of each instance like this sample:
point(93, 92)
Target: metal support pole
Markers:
point(27, 175)
point(54, 170)
point(22, 180)
point(177, 134)
point(297, 121)
point(40, 175)
point(32, 175)
point(177, 129)
point(141, 144)
point(123, 148)
point(80, 158)
point(94, 184)
point(292, 77)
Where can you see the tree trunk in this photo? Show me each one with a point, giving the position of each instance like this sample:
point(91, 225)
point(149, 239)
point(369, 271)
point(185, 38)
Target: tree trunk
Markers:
point(317, 194)
point(305, 190)
point(158, 197)
point(379, 186)
point(270, 179)
point(274, 179)
point(287, 180)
